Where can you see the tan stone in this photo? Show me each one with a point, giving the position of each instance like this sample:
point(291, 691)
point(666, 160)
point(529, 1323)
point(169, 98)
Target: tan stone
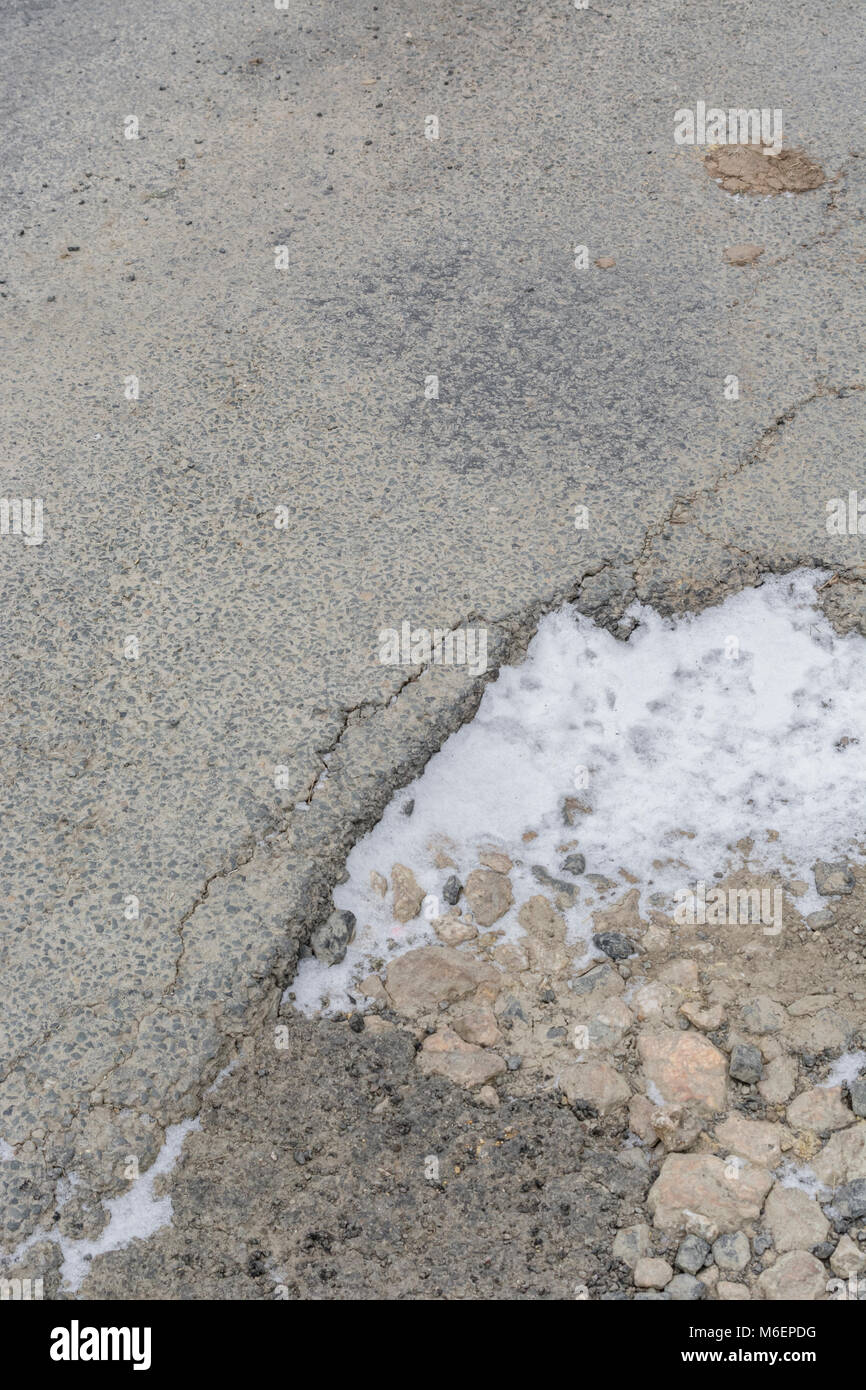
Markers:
point(797, 1277)
point(847, 1258)
point(631, 1243)
point(477, 1025)
point(545, 935)
point(652, 1273)
point(640, 1118)
point(420, 980)
point(794, 1219)
point(512, 957)
point(729, 1292)
point(699, 1184)
point(705, 1019)
point(407, 894)
point(378, 883)
point(597, 1083)
point(677, 1126)
point(756, 1140)
point(681, 974)
point(454, 929)
point(652, 999)
point(843, 1158)
point(488, 895)
point(444, 1053)
point(685, 1067)
point(821, 1110)
point(492, 859)
point(779, 1080)
point(743, 253)
point(373, 988)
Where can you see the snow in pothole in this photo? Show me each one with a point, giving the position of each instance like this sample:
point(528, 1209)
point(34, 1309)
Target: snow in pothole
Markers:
point(742, 721)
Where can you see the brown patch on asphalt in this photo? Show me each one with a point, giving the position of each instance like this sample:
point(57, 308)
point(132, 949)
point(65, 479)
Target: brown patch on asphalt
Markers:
point(744, 253)
point(747, 169)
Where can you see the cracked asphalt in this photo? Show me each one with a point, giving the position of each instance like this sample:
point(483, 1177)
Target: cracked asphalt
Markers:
point(196, 728)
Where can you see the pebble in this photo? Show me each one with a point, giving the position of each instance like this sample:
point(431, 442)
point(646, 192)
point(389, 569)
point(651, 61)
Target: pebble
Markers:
point(833, 878)
point(614, 944)
point(331, 939)
point(573, 864)
point(451, 890)
point(692, 1254)
point(746, 1063)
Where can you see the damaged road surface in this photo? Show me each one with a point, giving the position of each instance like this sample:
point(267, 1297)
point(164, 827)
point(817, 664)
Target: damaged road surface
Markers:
point(323, 322)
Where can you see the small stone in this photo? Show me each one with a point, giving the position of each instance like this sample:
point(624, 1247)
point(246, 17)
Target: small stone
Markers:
point(821, 921)
point(692, 1254)
point(731, 1252)
point(451, 890)
point(601, 981)
point(794, 1219)
point(614, 944)
point(453, 930)
point(708, 1020)
point(492, 859)
point(746, 1063)
point(605, 262)
point(652, 1273)
point(632, 1243)
point(779, 1080)
point(743, 253)
point(843, 1158)
point(820, 1110)
point(545, 935)
point(757, 1140)
point(514, 1063)
point(596, 1084)
point(489, 896)
point(373, 988)
point(420, 980)
point(684, 1289)
point(834, 878)
point(847, 1258)
point(699, 1185)
point(378, 883)
point(407, 895)
point(857, 1096)
point(331, 939)
point(478, 1025)
point(677, 1126)
point(763, 1015)
point(408, 807)
point(684, 1066)
point(444, 1053)
point(489, 1096)
point(729, 1292)
point(573, 864)
point(850, 1200)
point(797, 1277)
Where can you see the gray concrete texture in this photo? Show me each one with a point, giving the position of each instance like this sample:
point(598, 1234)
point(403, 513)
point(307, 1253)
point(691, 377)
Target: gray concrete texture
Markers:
point(304, 387)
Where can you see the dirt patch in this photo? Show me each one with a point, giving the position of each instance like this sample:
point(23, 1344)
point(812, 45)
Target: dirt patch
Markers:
point(747, 169)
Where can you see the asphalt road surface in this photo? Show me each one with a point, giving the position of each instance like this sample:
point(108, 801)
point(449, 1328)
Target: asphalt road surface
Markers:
point(234, 260)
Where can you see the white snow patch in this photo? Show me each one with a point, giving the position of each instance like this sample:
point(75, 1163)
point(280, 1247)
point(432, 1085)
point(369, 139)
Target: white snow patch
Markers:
point(845, 1068)
point(135, 1215)
point(743, 720)
point(801, 1176)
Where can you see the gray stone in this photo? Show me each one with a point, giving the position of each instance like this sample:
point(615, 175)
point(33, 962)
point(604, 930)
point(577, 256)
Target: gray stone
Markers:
point(820, 921)
point(850, 1200)
point(746, 1063)
point(330, 940)
point(573, 864)
point(731, 1252)
point(834, 878)
point(614, 944)
point(451, 890)
point(692, 1254)
point(684, 1289)
point(857, 1096)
